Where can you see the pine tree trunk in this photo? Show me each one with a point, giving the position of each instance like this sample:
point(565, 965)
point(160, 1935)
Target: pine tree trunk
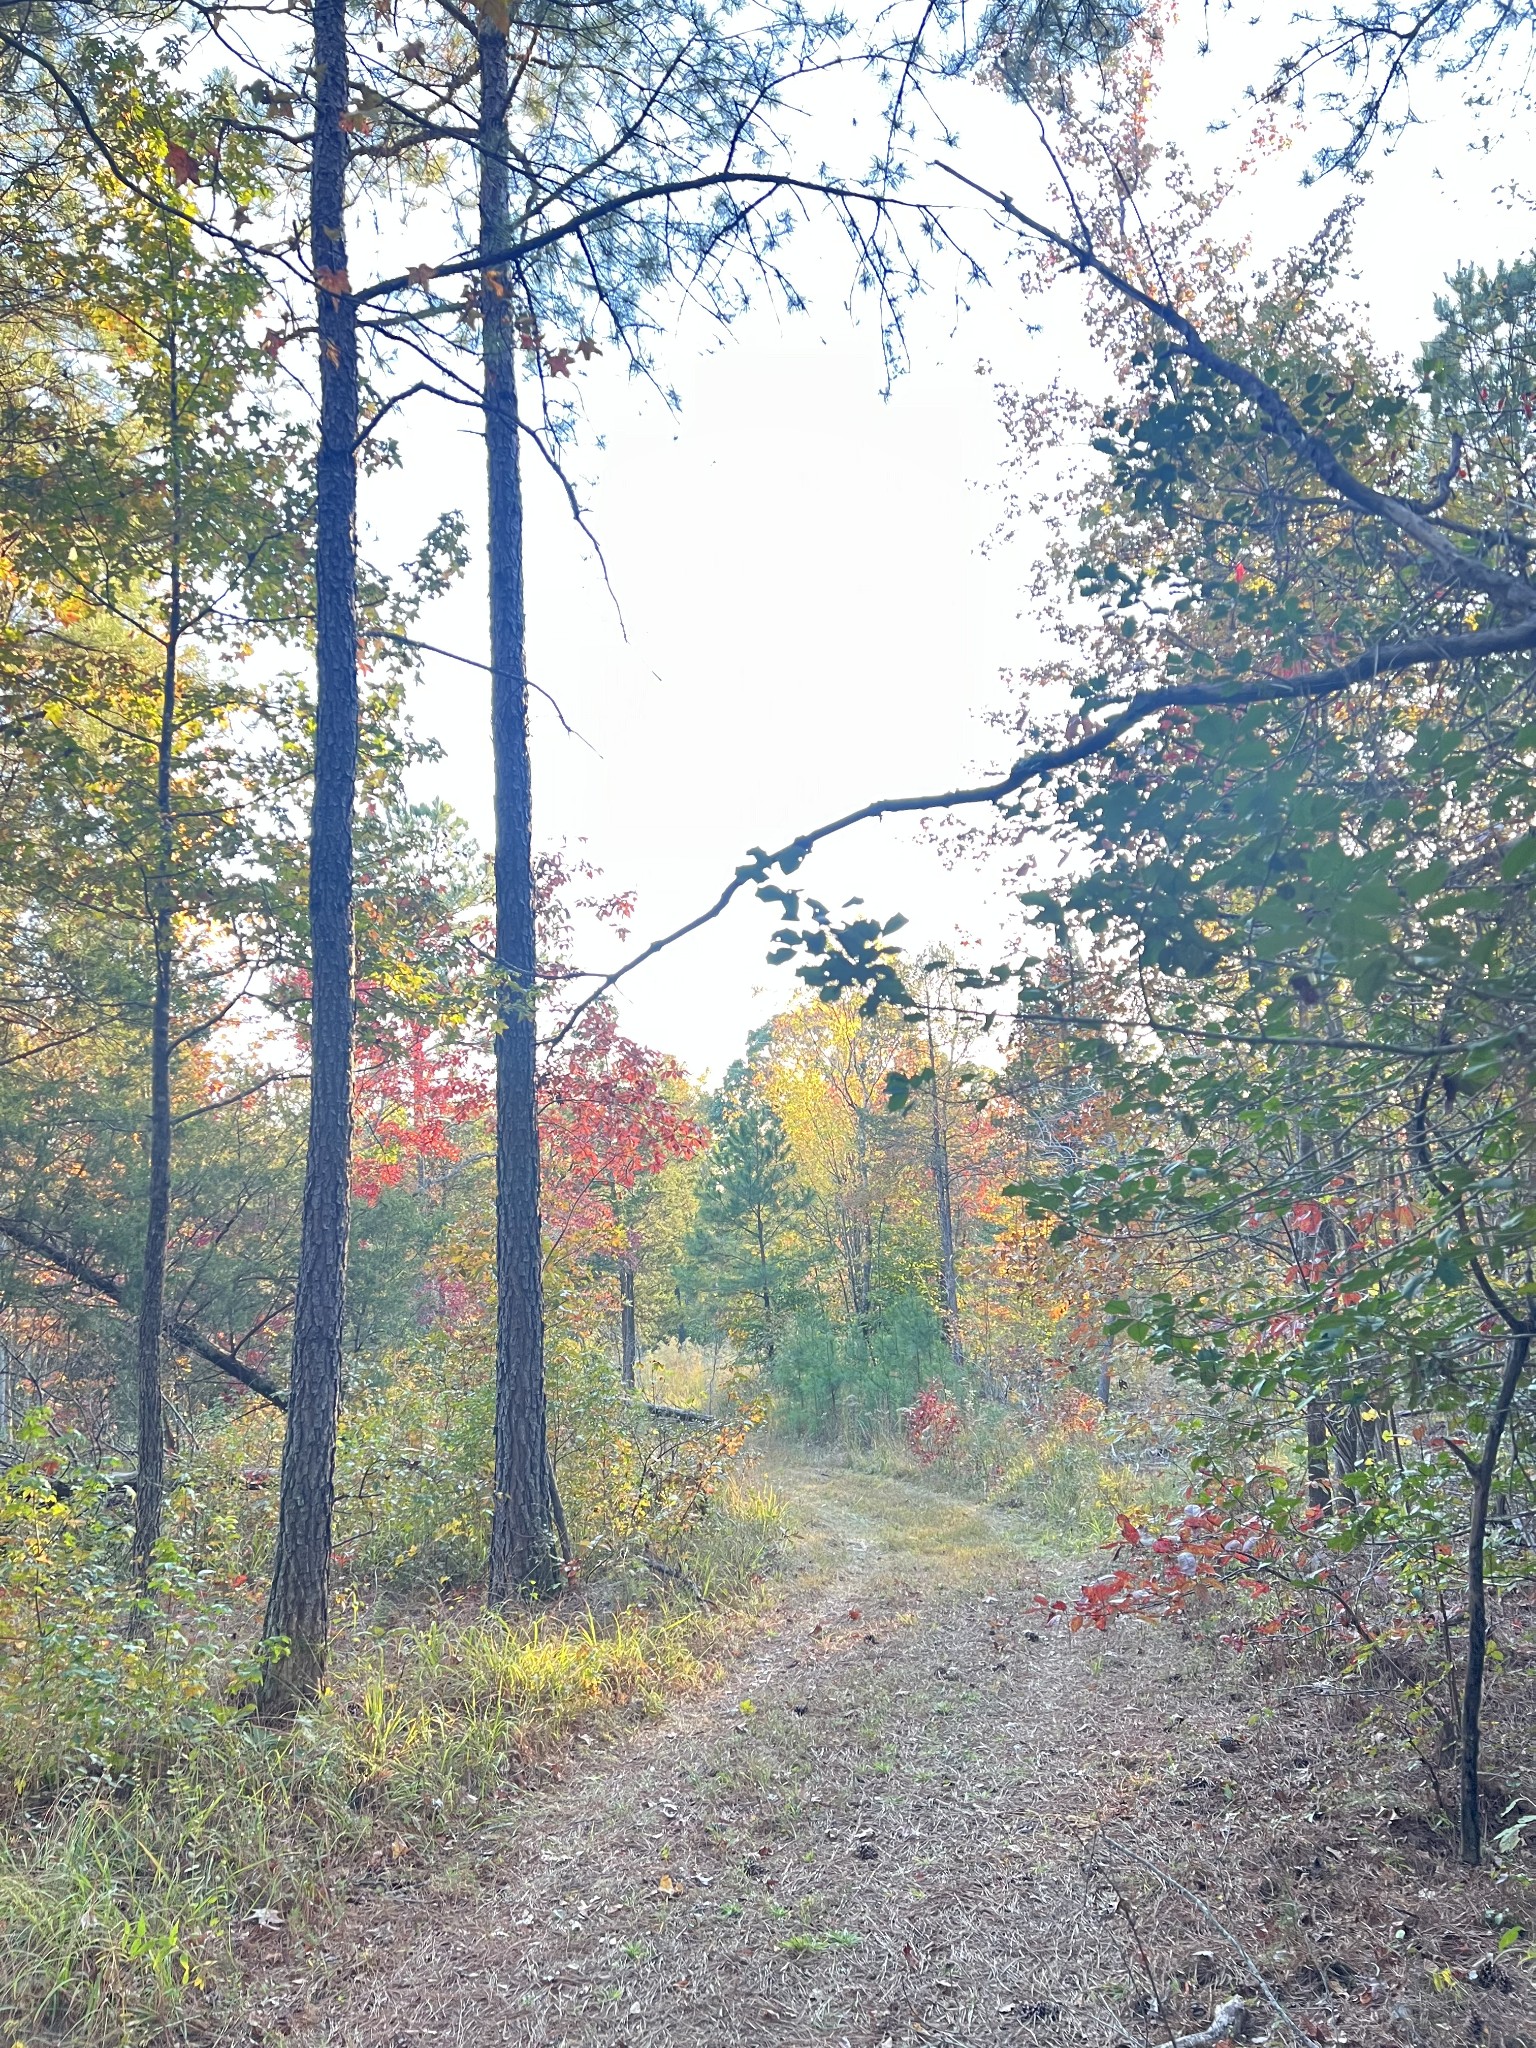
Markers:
point(765, 1289)
point(298, 1607)
point(524, 1559)
point(149, 1490)
point(949, 1280)
point(1469, 1756)
point(629, 1338)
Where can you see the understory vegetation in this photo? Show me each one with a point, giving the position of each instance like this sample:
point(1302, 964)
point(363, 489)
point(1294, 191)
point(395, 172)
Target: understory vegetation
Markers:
point(395, 1351)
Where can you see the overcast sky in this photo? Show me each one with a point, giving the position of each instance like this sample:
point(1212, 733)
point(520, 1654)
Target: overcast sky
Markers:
point(814, 614)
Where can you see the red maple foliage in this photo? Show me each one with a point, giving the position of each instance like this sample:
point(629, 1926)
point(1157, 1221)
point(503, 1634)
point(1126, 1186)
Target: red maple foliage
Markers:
point(933, 1423)
point(610, 1114)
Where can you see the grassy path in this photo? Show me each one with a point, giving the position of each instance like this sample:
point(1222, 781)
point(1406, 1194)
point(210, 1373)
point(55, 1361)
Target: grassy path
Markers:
point(869, 1832)
point(908, 1815)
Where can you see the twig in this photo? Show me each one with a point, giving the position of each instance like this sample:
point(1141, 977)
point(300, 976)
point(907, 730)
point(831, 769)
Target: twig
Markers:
point(1164, 1877)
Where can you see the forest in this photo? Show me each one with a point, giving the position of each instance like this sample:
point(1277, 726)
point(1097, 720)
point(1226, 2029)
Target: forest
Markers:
point(424, 1403)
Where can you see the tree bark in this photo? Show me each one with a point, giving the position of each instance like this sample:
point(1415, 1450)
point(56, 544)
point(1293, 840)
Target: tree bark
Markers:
point(948, 1278)
point(629, 1339)
point(524, 1557)
point(298, 1607)
point(765, 1289)
point(1319, 1487)
point(1320, 1490)
point(1471, 1817)
point(149, 1487)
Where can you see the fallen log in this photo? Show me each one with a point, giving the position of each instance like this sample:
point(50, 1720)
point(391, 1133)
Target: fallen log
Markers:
point(666, 1414)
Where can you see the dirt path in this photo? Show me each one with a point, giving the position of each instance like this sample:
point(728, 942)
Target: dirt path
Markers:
point(867, 1833)
point(895, 1822)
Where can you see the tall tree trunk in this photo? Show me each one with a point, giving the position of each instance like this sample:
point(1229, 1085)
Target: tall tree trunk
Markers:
point(1320, 1421)
point(766, 1290)
point(629, 1338)
point(524, 1559)
point(942, 1197)
point(149, 1492)
point(1477, 1600)
point(298, 1607)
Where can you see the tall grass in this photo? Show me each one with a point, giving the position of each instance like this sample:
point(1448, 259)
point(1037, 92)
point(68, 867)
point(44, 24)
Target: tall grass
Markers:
point(152, 1830)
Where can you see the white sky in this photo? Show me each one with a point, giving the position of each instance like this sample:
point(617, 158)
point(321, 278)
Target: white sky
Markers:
point(812, 620)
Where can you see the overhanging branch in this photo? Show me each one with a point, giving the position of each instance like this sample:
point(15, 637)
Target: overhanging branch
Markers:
point(1385, 659)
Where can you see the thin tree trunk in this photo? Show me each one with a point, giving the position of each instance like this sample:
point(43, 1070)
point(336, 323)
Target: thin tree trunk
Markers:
point(942, 1196)
point(1477, 1601)
point(524, 1560)
point(767, 1292)
point(1319, 1490)
point(629, 1340)
point(298, 1607)
point(149, 1490)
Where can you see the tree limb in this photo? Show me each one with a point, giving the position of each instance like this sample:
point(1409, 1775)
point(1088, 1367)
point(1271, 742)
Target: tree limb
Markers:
point(77, 1267)
point(1384, 659)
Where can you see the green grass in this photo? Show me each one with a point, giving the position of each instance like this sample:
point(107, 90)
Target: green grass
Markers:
point(128, 1889)
point(818, 1944)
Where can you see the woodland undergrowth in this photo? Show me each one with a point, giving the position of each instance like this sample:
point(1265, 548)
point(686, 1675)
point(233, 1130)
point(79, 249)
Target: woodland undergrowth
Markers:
point(155, 1834)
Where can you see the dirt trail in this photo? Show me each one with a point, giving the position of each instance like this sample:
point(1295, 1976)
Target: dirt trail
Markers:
point(909, 1814)
point(869, 1832)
